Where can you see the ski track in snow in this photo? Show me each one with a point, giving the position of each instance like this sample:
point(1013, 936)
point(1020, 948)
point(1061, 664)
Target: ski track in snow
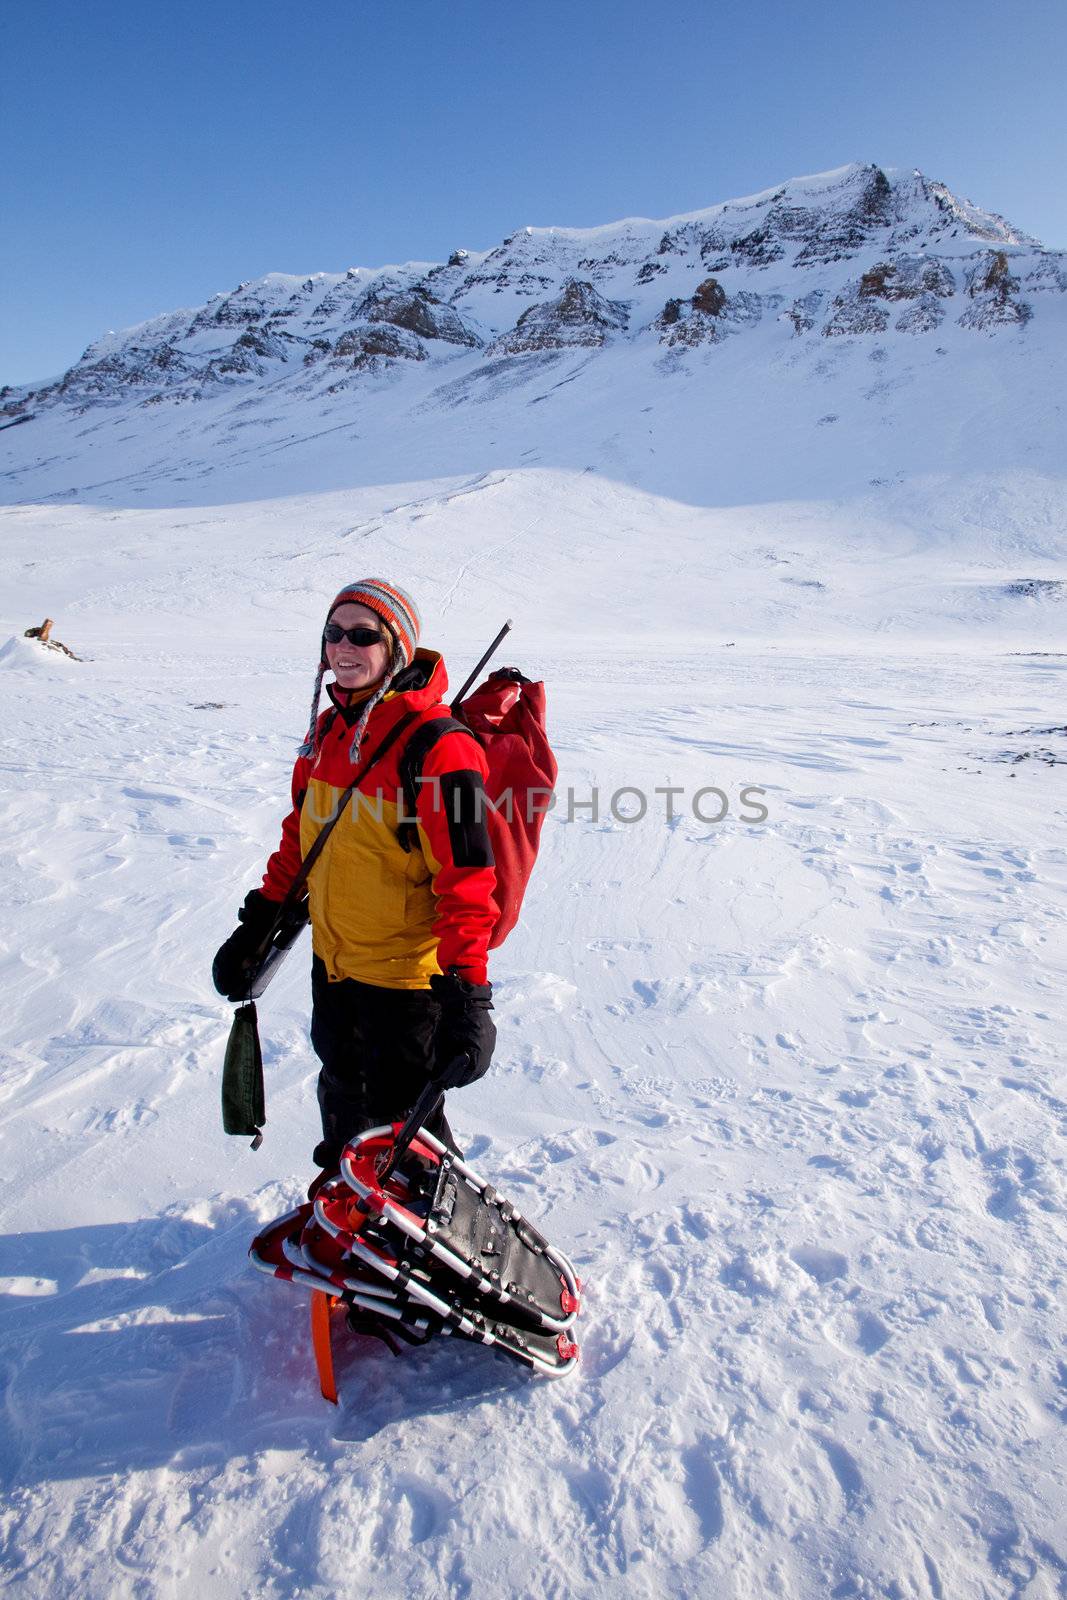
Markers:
point(791, 1094)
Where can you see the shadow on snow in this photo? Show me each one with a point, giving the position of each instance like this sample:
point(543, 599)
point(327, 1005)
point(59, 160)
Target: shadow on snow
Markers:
point(127, 1347)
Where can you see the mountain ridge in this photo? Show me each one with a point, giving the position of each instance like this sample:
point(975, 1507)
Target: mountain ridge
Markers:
point(829, 217)
point(826, 336)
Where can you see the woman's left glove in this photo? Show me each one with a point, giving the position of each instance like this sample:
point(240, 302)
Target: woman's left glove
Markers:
point(232, 966)
point(464, 1038)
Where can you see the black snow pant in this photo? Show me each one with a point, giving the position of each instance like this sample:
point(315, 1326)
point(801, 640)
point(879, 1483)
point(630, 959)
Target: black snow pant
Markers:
point(376, 1049)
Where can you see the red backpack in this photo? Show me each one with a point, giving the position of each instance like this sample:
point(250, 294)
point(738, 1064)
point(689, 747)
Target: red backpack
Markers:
point(506, 714)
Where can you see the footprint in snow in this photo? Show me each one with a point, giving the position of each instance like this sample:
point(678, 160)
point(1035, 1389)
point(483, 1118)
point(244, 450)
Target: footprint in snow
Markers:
point(117, 1119)
point(848, 1475)
point(856, 1097)
point(159, 795)
point(478, 1147)
point(822, 1265)
point(604, 1350)
point(871, 1333)
point(703, 1491)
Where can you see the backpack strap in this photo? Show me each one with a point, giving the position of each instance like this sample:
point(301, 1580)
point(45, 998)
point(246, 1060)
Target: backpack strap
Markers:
point(412, 757)
point(293, 910)
point(296, 888)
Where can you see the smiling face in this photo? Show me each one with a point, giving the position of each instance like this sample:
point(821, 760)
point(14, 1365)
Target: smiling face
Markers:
point(357, 666)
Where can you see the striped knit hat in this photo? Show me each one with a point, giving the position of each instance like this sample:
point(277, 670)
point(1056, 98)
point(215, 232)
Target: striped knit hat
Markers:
point(401, 616)
point(396, 609)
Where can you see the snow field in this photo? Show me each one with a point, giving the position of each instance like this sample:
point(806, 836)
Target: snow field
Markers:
point(790, 1093)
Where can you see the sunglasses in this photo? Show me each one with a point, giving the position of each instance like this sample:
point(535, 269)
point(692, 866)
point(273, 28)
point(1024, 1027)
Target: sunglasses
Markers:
point(333, 634)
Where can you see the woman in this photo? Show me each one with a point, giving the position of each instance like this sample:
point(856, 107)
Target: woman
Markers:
point(400, 928)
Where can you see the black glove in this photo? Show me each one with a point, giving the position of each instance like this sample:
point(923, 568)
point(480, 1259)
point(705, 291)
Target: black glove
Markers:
point(464, 1037)
point(231, 969)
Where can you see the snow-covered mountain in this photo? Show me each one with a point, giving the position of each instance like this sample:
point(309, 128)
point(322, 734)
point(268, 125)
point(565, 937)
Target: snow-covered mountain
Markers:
point(849, 285)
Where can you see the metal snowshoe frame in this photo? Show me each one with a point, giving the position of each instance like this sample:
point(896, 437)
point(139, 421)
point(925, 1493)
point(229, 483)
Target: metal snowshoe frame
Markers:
point(545, 1295)
point(362, 1244)
point(546, 1350)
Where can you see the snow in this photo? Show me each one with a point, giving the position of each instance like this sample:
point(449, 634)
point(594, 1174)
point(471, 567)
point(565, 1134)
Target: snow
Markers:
point(814, 187)
point(790, 1092)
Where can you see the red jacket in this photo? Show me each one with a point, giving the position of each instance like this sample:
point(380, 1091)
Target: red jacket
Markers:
point(380, 913)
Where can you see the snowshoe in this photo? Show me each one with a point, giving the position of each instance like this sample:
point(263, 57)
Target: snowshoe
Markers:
point(422, 1284)
point(385, 1299)
point(372, 1307)
point(268, 1252)
point(285, 1251)
point(452, 1221)
point(413, 1243)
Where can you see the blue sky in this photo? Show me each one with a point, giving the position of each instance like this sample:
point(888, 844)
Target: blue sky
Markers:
point(156, 151)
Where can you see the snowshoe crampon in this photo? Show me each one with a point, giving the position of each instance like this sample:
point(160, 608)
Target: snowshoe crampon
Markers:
point(431, 1248)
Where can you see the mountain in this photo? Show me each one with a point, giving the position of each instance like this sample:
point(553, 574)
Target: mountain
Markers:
point(778, 396)
point(884, 269)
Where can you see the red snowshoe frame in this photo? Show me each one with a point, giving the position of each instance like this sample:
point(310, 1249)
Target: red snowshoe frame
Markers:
point(363, 1245)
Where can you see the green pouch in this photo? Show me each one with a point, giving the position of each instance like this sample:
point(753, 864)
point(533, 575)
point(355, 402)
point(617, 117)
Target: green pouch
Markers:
point(243, 1108)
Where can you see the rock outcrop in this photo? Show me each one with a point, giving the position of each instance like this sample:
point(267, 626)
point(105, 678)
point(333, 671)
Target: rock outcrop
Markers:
point(577, 316)
point(993, 291)
point(418, 311)
point(709, 315)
